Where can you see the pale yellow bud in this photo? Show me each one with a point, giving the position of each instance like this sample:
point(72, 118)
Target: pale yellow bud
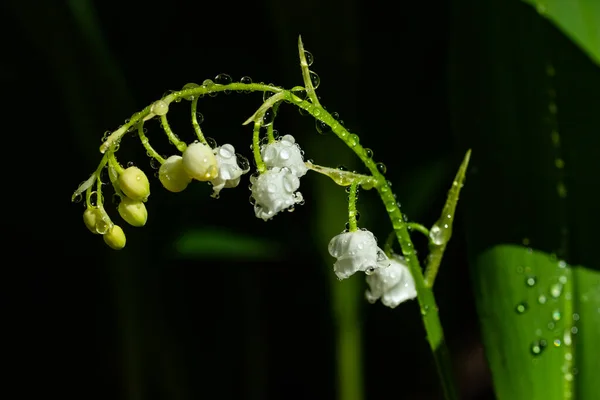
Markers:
point(133, 212)
point(90, 219)
point(200, 163)
point(115, 238)
point(134, 183)
point(172, 175)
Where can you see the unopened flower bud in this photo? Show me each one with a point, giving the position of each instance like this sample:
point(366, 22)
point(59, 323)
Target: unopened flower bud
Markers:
point(199, 162)
point(133, 212)
point(172, 175)
point(134, 184)
point(90, 218)
point(115, 238)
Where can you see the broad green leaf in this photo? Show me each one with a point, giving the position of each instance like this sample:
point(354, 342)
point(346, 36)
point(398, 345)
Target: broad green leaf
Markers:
point(222, 244)
point(525, 99)
point(578, 19)
point(532, 320)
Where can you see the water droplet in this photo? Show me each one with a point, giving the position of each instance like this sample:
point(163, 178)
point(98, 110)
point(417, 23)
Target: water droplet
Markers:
point(561, 189)
point(531, 281)
point(437, 235)
point(77, 198)
point(370, 271)
point(381, 168)
point(574, 330)
point(300, 94)
point(309, 58)
point(559, 163)
point(556, 342)
point(190, 85)
point(369, 153)
point(242, 162)
point(538, 346)
point(212, 143)
point(268, 117)
point(556, 315)
point(322, 127)
point(154, 163)
point(223, 79)
point(551, 326)
point(521, 308)
point(314, 78)
point(199, 118)
point(246, 80)
point(542, 299)
point(556, 290)
point(575, 317)
point(562, 264)
point(424, 310)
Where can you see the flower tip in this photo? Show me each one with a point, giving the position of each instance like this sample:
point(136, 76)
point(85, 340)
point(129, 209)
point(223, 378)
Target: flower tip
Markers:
point(115, 238)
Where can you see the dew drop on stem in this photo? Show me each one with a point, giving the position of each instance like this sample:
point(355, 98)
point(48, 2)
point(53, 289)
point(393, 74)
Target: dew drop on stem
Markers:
point(223, 79)
point(537, 347)
point(314, 78)
point(246, 80)
point(322, 127)
point(309, 58)
point(530, 281)
point(381, 168)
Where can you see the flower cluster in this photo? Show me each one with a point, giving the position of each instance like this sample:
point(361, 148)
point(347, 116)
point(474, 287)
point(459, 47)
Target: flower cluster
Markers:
point(388, 278)
point(275, 189)
point(219, 166)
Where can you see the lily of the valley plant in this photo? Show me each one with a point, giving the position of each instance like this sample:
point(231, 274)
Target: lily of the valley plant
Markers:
point(275, 187)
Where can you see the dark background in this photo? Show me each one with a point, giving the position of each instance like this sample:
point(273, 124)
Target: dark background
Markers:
point(83, 321)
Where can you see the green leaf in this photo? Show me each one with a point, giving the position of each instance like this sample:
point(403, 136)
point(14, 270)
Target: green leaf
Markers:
point(578, 19)
point(532, 320)
point(225, 245)
point(525, 99)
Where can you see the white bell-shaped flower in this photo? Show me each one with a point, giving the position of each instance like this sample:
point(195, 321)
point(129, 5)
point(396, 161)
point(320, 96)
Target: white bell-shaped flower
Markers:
point(356, 251)
point(230, 172)
point(393, 285)
point(274, 191)
point(285, 152)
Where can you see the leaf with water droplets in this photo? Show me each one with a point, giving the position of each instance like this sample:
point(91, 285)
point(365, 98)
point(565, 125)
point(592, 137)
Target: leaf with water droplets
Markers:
point(441, 231)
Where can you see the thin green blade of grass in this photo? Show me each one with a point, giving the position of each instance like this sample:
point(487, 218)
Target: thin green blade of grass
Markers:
point(578, 19)
point(525, 98)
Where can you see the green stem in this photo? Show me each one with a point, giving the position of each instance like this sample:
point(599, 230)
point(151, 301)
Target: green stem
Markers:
point(353, 226)
point(146, 143)
point(425, 296)
point(195, 123)
point(181, 146)
point(260, 165)
point(414, 226)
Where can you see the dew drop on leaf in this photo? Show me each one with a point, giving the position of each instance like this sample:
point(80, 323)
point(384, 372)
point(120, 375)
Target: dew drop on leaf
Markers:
point(531, 281)
point(521, 307)
point(538, 346)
